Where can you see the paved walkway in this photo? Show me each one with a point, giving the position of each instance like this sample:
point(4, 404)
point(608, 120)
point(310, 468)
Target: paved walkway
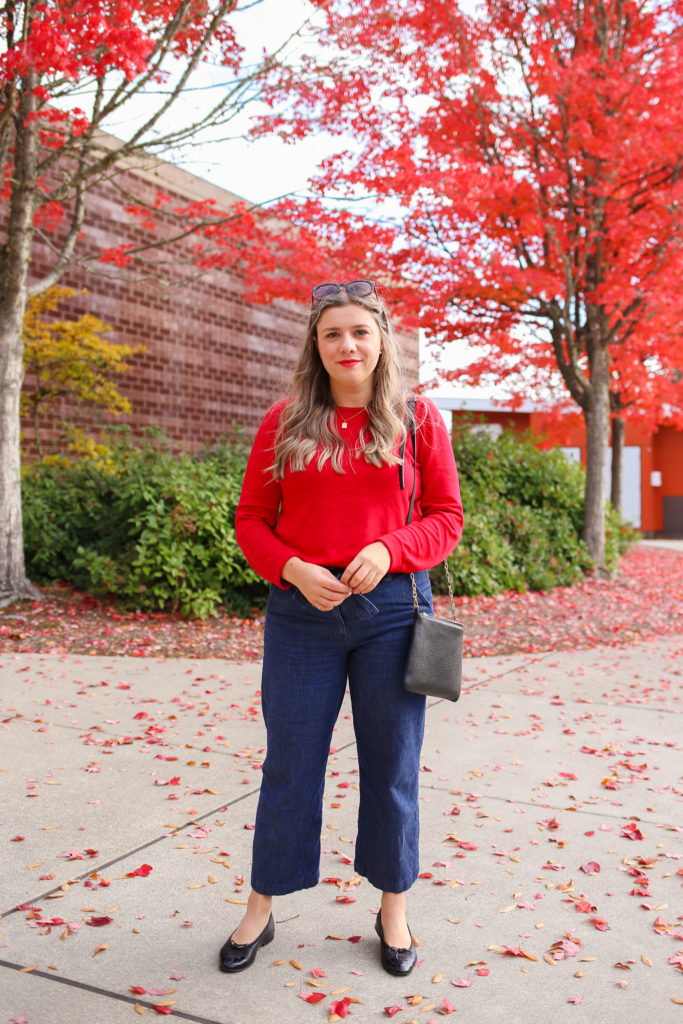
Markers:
point(552, 854)
point(663, 542)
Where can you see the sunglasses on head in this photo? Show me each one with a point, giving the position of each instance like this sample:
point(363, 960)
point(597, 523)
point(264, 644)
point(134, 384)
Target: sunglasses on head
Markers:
point(361, 289)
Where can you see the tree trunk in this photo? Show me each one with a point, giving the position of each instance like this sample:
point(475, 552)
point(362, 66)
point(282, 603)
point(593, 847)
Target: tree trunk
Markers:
point(15, 263)
point(13, 582)
point(618, 431)
point(597, 417)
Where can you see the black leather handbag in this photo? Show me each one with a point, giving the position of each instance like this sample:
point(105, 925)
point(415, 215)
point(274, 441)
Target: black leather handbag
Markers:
point(434, 663)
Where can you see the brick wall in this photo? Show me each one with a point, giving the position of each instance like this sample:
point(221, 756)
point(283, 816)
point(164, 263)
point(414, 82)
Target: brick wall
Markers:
point(212, 360)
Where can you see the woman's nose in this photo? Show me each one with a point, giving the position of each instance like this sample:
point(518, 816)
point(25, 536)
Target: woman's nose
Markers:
point(348, 343)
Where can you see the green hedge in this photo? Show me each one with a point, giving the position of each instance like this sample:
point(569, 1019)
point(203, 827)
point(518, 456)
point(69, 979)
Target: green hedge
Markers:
point(523, 518)
point(156, 530)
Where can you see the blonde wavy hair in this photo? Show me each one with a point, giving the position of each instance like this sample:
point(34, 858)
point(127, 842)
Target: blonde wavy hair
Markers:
point(308, 422)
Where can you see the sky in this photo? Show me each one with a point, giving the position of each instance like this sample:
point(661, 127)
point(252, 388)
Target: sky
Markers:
point(258, 171)
point(265, 169)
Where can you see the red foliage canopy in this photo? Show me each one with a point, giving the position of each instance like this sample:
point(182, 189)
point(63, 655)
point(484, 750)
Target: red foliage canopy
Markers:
point(533, 153)
point(123, 62)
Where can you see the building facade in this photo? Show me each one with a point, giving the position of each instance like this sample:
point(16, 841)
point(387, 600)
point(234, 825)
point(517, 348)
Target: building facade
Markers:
point(213, 361)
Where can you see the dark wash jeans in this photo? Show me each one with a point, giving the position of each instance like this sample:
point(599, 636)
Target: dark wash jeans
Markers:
point(308, 657)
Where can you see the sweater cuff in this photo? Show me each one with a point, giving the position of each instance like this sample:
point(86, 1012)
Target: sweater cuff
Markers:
point(277, 579)
point(393, 546)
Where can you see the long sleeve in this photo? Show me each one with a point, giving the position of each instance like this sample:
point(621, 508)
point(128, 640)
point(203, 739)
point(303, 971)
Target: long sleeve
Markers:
point(259, 506)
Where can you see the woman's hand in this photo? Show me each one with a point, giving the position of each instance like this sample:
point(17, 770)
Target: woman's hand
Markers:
point(316, 583)
point(365, 571)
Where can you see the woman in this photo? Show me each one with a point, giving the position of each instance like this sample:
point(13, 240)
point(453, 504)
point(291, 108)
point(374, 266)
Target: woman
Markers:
point(322, 515)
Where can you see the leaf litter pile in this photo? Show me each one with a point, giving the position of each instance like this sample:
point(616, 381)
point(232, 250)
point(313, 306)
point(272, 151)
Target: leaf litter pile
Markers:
point(644, 601)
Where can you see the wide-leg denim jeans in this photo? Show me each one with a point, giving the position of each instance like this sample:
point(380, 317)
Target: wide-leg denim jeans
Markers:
point(308, 657)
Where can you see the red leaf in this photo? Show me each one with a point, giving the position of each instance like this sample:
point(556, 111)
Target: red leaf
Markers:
point(600, 923)
point(391, 1011)
point(341, 1008)
point(97, 922)
point(591, 867)
point(662, 927)
point(138, 990)
point(311, 997)
point(516, 951)
point(354, 938)
point(563, 948)
point(631, 831)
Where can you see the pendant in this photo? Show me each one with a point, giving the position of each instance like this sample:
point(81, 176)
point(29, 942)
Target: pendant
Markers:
point(343, 425)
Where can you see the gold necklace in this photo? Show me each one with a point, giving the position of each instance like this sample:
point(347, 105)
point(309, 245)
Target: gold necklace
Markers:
point(346, 420)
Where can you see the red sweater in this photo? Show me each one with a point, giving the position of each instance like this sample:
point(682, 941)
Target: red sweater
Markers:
point(326, 517)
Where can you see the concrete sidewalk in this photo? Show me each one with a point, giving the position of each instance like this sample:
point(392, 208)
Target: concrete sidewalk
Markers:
point(551, 850)
point(663, 542)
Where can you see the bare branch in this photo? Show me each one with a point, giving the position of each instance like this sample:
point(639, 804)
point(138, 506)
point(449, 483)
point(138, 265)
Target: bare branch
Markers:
point(67, 249)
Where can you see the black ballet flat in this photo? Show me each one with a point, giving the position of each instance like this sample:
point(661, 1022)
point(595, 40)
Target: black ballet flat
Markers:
point(396, 961)
point(236, 957)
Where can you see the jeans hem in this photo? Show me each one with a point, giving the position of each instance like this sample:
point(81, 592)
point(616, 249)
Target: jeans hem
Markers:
point(284, 889)
point(384, 884)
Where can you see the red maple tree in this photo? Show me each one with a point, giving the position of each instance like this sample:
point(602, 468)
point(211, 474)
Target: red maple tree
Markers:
point(534, 150)
point(68, 68)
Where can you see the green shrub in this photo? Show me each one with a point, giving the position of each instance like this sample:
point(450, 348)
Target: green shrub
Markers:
point(523, 518)
point(64, 502)
point(153, 529)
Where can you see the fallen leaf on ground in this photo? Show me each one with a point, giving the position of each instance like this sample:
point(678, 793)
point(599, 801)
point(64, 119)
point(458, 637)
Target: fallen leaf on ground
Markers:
point(516, 951)
point(142, 871)
point(341, 1008)
point(312, 997)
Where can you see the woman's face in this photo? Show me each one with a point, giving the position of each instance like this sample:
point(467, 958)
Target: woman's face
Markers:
point(349, 344)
